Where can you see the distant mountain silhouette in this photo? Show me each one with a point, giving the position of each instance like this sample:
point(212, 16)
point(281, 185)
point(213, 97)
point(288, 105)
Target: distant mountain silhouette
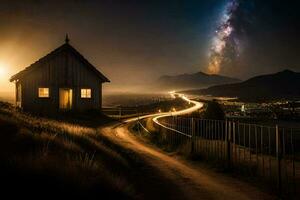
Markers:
point(283, 84)
point(193, 81)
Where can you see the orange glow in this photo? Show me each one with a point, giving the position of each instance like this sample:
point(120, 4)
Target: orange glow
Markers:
point(3, 70)
point(17, 53)
point(6, 88)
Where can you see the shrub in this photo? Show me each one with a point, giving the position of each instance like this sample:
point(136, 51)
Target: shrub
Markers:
point(214, 111)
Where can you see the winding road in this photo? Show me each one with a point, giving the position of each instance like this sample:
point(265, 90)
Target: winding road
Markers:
point(168, 176)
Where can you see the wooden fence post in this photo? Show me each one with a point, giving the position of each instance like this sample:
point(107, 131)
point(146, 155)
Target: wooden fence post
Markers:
point(227, 143)
point(233, 155)
point(278, 156)
point(193, 137)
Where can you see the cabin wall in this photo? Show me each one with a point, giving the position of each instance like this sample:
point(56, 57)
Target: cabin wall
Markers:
point(62, 71)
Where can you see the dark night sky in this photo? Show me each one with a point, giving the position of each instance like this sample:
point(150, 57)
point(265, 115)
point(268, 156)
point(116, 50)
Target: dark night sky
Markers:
point(134, 41)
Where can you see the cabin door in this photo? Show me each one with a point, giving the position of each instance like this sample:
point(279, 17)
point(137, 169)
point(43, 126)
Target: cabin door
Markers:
point(65, 98)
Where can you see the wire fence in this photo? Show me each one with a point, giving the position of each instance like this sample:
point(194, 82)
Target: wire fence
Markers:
point(270, 153)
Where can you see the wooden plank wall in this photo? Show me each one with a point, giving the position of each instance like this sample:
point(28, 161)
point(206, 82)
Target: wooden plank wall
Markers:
point(62, 71)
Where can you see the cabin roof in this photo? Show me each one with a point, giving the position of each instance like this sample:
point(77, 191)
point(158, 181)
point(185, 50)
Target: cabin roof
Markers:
point(62, 48)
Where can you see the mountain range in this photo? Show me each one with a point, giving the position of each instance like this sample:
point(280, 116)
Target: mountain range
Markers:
point(283, 84)
point(193, 81)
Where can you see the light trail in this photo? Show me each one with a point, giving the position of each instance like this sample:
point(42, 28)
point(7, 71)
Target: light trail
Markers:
point(196, 105)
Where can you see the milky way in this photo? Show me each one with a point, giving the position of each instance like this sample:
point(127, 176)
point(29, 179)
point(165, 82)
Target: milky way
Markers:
point(222, 40)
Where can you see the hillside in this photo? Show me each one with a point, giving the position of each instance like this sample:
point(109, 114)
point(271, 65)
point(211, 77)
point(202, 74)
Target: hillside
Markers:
point(53, 158)
point(69, 157)
point(284, 84)
point(193, 81)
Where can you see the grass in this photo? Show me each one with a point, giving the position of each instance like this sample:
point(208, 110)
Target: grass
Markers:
point(41, 155)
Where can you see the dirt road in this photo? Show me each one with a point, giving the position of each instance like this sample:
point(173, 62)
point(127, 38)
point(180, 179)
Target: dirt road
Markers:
point(169, 177)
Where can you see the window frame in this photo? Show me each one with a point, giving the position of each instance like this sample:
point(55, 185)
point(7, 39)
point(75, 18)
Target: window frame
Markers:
point(43, 97)
point(86, 89)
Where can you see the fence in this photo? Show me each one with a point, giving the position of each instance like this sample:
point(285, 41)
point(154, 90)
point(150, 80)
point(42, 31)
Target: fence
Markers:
point(269, 153)
point(122, 112)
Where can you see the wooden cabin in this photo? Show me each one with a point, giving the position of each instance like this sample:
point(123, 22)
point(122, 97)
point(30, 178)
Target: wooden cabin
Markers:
point(63, 80)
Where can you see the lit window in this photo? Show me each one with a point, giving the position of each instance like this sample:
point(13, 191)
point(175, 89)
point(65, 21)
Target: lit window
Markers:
point(43, 92)
point(86, 93)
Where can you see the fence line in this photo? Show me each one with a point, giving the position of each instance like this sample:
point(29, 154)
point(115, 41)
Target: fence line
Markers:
point(268, 152)
point(122, 112)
